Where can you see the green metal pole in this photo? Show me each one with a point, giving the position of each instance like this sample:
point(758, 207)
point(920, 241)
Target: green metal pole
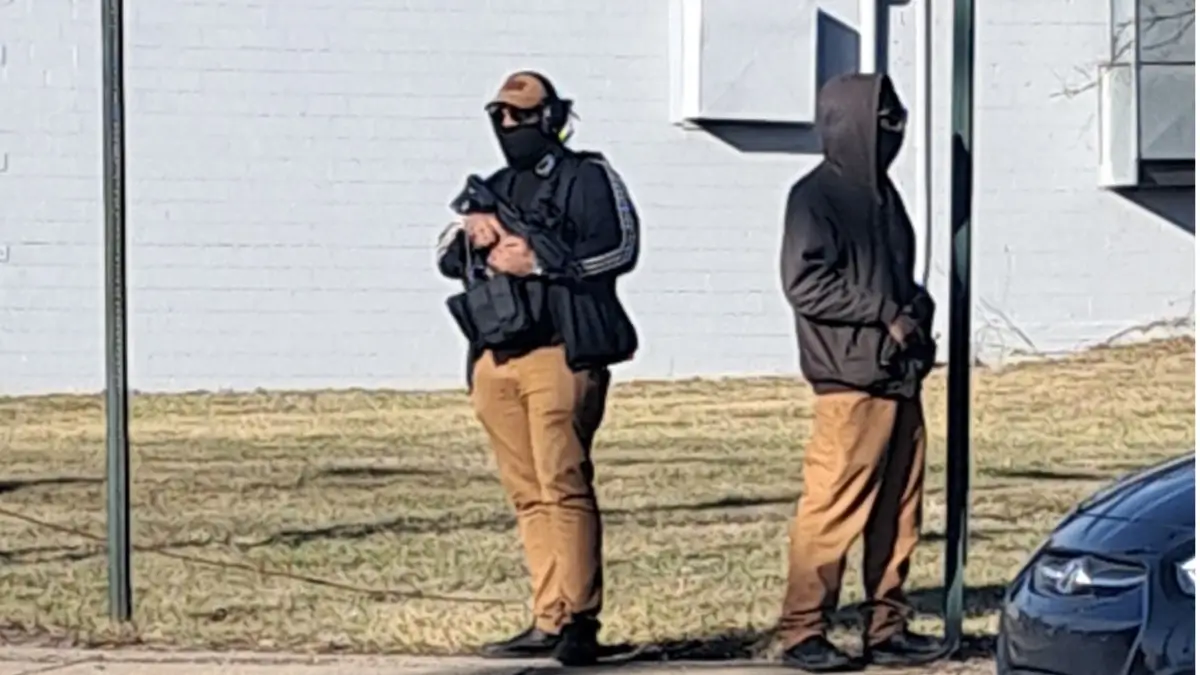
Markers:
point(120, 591)
point(958, 433)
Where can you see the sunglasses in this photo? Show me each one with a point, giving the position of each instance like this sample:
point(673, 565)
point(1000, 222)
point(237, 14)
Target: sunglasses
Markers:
point(893, 119)
point(502, 112)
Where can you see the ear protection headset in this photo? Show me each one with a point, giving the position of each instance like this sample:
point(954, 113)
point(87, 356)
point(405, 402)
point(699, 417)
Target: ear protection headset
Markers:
point(556, 112)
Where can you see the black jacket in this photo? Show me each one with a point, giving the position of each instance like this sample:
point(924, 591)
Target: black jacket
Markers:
point(598, 224)
point(848, 255)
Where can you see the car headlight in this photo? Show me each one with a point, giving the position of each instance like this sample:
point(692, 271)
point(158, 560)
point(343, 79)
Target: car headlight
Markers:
point(1185, 572)
point(1083, 575)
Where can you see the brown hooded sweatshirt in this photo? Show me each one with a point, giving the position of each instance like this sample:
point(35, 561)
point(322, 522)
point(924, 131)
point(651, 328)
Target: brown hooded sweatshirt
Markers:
point(848, 254)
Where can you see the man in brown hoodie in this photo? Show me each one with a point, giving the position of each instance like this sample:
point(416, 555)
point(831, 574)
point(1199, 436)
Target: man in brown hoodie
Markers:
point(863, 326)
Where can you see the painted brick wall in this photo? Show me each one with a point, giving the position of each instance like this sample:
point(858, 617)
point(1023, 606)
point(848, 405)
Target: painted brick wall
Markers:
point(291, 161)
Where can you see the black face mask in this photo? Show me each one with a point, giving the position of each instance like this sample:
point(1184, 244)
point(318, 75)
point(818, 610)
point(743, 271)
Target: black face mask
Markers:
point(523, 146)
point(889, 147)
point(892, 121)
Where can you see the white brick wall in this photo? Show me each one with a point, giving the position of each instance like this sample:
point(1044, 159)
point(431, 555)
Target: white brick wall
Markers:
point(290, 162)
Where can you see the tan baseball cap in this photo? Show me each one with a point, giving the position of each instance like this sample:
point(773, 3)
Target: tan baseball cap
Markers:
point(523, 90)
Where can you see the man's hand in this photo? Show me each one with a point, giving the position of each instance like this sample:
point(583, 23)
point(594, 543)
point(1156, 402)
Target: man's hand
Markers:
point(512, 255)
point(483, 229)
point(903, 329)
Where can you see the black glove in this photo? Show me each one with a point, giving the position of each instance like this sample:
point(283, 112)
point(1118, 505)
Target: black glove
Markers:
point(907, 332)
point(922, 306)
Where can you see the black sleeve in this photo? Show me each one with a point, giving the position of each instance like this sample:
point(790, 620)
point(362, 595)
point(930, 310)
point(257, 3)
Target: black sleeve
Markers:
point(606, 238)
point(922, 305)
point(451, 252)
point(811, 280)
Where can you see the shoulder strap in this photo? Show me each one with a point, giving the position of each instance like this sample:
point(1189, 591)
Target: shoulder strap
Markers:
point(501, 180)
point(568, 172)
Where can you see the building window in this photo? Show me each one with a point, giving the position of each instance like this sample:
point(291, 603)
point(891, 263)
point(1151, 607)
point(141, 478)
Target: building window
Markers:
point(1165, 40)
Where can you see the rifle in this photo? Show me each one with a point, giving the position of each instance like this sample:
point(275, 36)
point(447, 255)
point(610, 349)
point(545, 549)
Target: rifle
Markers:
point(552, 254)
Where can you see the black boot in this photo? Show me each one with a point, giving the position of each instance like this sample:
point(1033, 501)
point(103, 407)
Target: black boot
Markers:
point(904, 649)
point(578, 645)
point(819, 655)
point(532, 643)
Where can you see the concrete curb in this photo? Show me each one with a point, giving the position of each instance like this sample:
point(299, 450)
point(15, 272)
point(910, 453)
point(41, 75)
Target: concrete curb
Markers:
point(49, 655)
point(31, 660)
point(46, 661)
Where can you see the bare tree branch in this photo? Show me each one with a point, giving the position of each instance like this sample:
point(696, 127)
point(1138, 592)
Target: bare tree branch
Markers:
point(1185, 20)
point(1180, 22)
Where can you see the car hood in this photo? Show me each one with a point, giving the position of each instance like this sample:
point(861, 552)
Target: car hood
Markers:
point(1164, 494)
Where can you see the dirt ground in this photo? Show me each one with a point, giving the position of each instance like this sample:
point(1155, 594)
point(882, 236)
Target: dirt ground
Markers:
point(372, 522)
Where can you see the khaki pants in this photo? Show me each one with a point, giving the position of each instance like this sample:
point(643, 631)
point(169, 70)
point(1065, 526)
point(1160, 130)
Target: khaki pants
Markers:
point(540, 418)
point(864, 472)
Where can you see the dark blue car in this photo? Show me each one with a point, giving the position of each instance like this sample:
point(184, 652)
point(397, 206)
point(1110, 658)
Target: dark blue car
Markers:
point(1112, 590)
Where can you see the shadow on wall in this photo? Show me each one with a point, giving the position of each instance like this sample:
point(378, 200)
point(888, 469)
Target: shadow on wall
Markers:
point(1175, 205)
point(837, 53)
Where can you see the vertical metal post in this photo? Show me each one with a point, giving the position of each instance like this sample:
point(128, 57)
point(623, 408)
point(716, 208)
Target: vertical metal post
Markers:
point(120, 591)
point(923, 123)
point(1135, 73)
point(868, 36)
point(883, 35)
point(874, 19)
point(958, 441)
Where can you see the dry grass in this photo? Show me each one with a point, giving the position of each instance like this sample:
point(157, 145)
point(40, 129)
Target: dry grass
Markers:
point(389, 490)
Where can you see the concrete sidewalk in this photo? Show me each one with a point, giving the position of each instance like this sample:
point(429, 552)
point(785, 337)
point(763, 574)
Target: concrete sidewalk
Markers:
point(27, 661)
point(31, 661)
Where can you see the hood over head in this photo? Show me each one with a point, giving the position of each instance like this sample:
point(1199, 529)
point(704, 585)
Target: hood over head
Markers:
point(848, 119)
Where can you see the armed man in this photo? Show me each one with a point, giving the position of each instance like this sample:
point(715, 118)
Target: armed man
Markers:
point(539, 251)
point(864, 327)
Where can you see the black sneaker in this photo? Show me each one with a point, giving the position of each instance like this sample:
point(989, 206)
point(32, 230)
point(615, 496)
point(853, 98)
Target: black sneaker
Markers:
point(905, 649)
point(533, 643)
point(578, 645)
point(819, 655)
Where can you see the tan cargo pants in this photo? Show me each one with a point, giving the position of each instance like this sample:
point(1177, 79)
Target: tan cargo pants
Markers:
point(864, 473)
point(541, 418)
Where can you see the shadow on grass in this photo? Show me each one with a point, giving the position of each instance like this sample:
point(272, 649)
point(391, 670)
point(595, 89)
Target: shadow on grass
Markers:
point(401, 525)
point(754, 646)
point(747, 644)
point(32, 555)
point(1044, 474)
point(424, 525)
point(373, 477)
point(294, 537)
point(675, 461)
point(732, 502)
point(373, 472)
point(35, 555)
point(978, 601)
point(14, 484)
point(978, 533)
point(499, 523)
